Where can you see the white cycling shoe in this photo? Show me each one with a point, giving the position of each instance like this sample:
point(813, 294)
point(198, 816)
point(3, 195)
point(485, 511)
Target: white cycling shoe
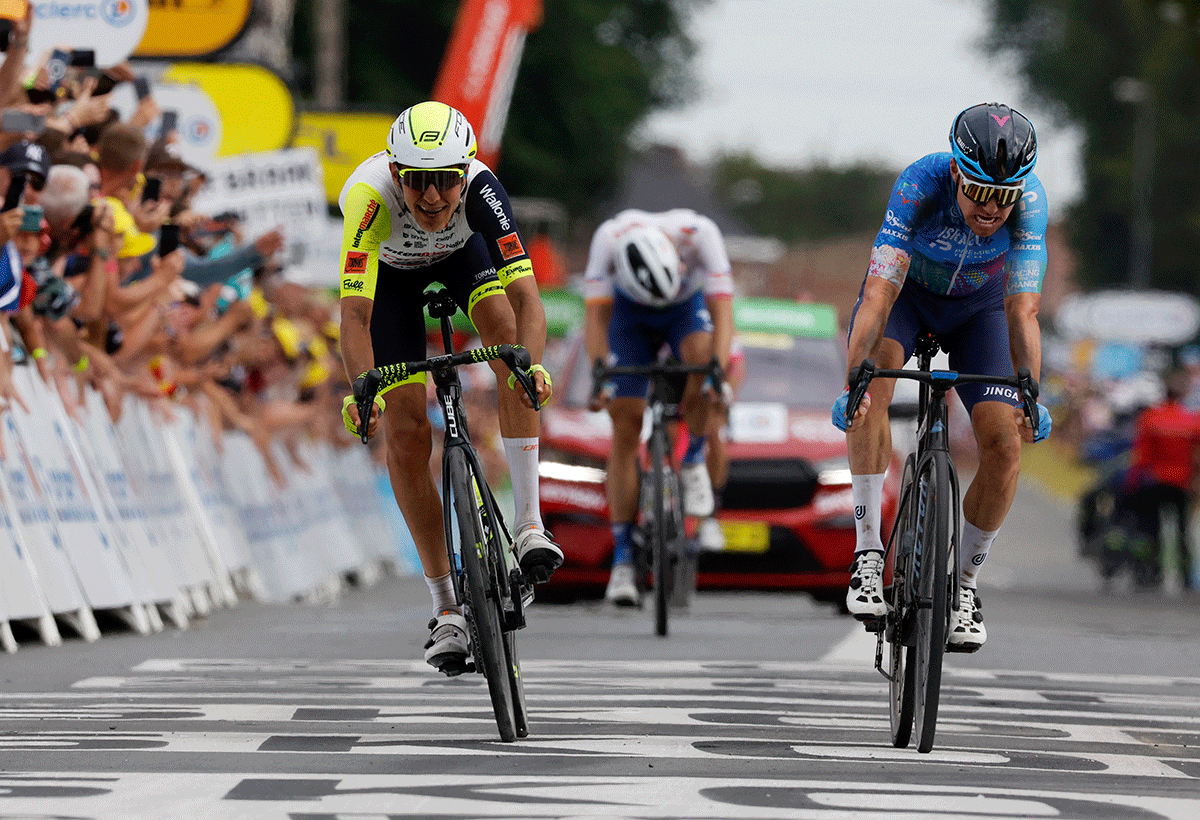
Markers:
point(697, 490)
point(537, 554)
point(622, 587)
point(967, 632)
point(864, 598)
point(710, 535)
point(448, 647)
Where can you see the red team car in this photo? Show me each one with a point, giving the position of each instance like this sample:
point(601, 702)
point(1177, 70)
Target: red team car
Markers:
point(788, 515)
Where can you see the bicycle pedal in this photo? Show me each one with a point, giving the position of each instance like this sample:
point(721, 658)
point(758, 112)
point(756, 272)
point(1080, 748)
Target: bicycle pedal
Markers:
point(873, 625)
point(452, 665)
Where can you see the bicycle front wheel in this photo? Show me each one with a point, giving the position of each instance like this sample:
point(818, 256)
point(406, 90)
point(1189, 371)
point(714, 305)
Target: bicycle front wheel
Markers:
point(482, 605)
point(660, 555)
point(934, 580)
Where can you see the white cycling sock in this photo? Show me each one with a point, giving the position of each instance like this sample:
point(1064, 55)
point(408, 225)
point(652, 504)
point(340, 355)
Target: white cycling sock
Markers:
point(972, 552)
point(522, 457)
point(442, 591)
point(868, 509)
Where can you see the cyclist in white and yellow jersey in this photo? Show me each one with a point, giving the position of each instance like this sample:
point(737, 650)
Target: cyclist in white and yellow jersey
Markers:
point(425, 211)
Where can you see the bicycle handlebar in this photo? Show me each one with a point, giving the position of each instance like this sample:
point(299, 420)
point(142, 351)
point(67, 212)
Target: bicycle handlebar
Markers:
point(515, 356)
point(862, 375)
point(601, 372)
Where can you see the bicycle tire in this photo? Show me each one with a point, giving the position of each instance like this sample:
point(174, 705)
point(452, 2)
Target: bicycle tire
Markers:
point(516, 685)
point(482, 607)
point(660, 558)
point(934, 582)
point(898, 596)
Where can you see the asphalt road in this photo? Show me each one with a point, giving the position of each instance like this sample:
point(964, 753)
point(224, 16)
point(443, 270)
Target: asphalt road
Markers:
point(1081, 705)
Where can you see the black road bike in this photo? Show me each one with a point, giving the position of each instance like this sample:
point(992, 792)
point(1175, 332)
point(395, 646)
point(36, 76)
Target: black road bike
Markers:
point(922, 551)
point(490, 587)
point(660, 498)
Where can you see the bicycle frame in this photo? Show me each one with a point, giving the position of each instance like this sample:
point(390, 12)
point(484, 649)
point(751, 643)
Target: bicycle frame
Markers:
point(484, 569)
point(665, 514)
point(923, 597)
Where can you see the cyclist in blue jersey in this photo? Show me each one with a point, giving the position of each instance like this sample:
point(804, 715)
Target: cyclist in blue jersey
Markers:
point(961, 254)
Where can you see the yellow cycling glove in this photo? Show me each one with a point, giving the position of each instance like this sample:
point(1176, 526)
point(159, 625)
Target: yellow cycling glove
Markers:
point(346, 420)
point(537, 368)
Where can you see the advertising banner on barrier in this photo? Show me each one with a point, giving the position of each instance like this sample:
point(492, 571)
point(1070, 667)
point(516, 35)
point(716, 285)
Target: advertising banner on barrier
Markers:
point(192, 28)
point(35, 524)
point(112, 28)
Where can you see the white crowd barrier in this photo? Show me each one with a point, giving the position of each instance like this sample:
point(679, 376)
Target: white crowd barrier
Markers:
point(157, 518)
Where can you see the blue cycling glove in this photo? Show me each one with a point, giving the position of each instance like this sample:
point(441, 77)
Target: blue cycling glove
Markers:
point(839, 410)
point(1045, 423)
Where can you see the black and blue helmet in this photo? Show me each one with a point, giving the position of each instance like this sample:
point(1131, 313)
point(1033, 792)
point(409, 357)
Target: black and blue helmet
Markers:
point(993, 143)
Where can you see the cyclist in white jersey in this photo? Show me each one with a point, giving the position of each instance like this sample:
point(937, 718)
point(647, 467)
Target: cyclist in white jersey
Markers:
point(654, 279)
point(424, 211)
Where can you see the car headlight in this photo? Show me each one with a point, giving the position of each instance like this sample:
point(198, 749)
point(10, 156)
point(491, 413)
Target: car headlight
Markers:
point(572, 467)
point(833, 472)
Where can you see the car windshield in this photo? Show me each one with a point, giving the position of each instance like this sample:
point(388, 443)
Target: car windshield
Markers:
point(799, 372)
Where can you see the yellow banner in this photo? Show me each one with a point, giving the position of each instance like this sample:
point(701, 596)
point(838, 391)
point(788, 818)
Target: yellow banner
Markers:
point(256, 108)
point(343, 140)
point(192, 28)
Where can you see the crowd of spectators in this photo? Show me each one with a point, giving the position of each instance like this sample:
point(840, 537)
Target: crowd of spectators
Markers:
point(110, 277)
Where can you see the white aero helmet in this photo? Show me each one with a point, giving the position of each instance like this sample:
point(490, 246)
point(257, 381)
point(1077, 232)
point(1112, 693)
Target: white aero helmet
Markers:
point(648, 267)
point(431, 135)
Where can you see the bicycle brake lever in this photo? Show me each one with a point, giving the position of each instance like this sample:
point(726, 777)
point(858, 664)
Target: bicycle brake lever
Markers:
point(518, 361)
point(860, 377)
point(1029, 395)
point(366, 387)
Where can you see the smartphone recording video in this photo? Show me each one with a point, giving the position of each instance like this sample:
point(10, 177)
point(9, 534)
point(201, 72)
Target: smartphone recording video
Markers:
point(168, 238)
point(20, 122)
point(12, 197)
point(152, 189)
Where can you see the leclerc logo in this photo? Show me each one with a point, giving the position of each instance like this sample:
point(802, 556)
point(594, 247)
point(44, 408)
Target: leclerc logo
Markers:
point(116, 13)
point(198, 130)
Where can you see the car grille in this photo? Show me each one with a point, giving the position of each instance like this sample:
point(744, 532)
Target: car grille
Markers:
point(769, 484)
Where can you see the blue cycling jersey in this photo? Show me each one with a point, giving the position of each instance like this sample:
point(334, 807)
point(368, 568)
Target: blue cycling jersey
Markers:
point(947, 258)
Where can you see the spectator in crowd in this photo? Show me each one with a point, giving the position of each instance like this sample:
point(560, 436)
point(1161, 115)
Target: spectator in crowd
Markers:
point(1163, 474)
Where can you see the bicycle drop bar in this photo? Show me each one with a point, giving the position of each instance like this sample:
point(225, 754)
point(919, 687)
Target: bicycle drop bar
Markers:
point(601, 372)
point(862, 375)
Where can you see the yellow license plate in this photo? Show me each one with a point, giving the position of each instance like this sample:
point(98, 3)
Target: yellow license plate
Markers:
point(746, 536)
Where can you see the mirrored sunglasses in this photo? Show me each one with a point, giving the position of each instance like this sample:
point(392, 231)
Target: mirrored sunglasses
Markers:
point(981, 192)
point(443, 179)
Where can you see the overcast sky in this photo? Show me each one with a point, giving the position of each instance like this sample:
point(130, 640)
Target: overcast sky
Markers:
point(843, 81)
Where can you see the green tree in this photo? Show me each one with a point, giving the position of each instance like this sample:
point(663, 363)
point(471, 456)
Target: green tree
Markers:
point(1091, 61)
point(589, 75)
point(803, 205)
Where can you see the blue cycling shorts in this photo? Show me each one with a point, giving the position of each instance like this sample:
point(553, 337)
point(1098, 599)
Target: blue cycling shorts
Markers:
point(973, 330)
point(636, 333)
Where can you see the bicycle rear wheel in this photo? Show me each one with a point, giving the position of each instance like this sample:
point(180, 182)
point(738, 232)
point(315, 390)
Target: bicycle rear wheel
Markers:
point(482, 605)
point(900, 611)
point(658, 536)
point(934, 581)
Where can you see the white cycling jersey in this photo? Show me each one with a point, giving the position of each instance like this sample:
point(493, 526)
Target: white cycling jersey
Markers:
point(696, 237)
